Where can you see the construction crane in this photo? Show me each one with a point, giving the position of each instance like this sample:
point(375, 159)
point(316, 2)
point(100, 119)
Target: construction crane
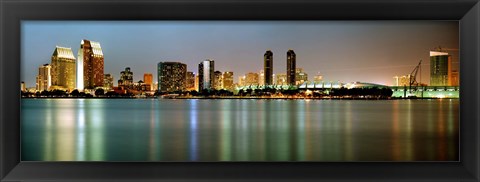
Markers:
point(413, 75)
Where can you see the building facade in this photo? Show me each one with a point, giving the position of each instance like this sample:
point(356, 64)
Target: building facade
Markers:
point(300, 76)
point(440, 68)
point(291, 67)
point(63, 70)
point(148, 80)
point(90, 65)
point(227, 79)
point(190, 85)
point(268, 67)
point(126, 78)
point(281, 79)
point(251, 79)
point(206, 75)
point(44, 78)
point(171, 76)
point(108, 81)
point(218, 80)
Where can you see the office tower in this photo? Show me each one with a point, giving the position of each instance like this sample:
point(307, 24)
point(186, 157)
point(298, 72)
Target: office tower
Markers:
point(291, 67)
point(171, 76)
point(281, 79)
point(90, 65)
point(227, 79)
point(218, 80)
point(440, 68)
point(261, 77)
point(126, 78)
point(108, 81)
point(44, 78)
point(148, 80)
point(190, 85)
point(268, 67)
point(63, 71)
point(300, 76)
point(251, 79)
point(206, 75)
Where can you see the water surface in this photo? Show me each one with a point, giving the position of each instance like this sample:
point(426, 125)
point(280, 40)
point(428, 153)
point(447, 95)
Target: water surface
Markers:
point(239, 130)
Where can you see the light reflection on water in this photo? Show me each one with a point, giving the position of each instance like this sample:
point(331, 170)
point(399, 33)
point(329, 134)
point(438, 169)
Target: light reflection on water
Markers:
point(239, 130)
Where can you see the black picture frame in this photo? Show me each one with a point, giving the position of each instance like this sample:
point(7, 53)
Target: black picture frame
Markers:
point(12, 12)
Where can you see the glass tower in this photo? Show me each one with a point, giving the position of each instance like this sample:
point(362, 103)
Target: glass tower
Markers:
point(268, 67)
point(206, 77)
point(90, 60)
point(440, 68)
point(291, 67)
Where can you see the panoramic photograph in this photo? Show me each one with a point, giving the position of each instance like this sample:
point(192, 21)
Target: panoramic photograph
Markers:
point(240, 91)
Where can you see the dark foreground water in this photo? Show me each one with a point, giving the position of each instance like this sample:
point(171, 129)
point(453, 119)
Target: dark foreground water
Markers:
point(239, 130)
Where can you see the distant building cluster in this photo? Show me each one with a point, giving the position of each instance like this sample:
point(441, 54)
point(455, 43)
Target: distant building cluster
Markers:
point(86, 72)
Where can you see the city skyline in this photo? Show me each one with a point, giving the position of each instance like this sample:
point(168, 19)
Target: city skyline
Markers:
point(347, 57)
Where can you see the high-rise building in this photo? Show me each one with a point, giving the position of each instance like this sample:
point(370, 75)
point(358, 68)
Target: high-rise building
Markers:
point(227, 79)
point(268, 67)
point(190, 85)
point(148, 80)
point(126, 78)
point(218, 80)
point(63, 69)
point(90, 65)
point(171, 76)
point(108, 81)
point(300, 76)
point(291, 67)
point(251, 79)
point(281, 79)
point(44, 78)
point(206, 75)
point(440, 68)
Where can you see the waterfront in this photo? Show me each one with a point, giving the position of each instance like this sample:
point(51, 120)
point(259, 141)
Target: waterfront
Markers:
point(239, 130)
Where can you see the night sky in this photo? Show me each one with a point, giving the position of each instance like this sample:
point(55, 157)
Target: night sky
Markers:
point(346, 51)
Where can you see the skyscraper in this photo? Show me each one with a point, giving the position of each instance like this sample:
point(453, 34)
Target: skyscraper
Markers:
point(126, 78)
point(63, 69)
point(268, 67)
point(171, 76)
point(90, 60)
point(261, 77)
point(227, 79)
point(148, 80)
point(44, 78)
point(218, 80)
point(108, 81)
point(206, 75)
point(440, 68)
point(291, 66)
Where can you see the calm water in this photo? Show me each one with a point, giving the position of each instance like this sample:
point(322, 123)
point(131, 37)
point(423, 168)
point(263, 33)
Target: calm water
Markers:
point(239, 130)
